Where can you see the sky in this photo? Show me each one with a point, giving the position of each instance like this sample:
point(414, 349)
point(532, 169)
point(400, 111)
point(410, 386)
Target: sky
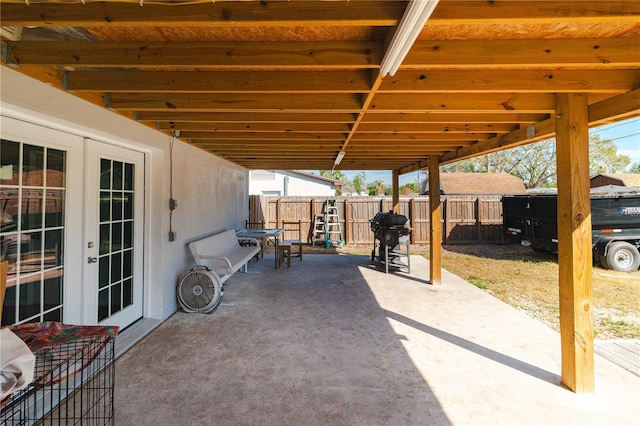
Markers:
point(624, 134)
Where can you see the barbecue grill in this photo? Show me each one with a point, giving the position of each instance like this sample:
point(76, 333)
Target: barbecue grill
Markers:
point(391, 235)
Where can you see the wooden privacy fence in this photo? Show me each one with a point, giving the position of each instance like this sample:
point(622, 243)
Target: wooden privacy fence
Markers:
point(466, 218)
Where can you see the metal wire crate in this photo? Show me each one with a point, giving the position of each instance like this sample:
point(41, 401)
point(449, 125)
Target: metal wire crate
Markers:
point(74, 376)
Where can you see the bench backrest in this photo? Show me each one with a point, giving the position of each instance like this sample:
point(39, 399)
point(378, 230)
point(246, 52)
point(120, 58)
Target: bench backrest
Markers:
point(221, 244)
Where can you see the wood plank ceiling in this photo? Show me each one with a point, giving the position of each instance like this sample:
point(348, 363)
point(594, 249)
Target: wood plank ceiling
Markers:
point(289, 84)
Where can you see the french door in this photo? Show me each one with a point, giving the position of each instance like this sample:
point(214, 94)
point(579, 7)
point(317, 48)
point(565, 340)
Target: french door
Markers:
point(114, 227)
point(71, 227)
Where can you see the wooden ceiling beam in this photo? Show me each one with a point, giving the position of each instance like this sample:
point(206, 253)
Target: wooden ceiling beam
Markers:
point(250, 149)
point(453, 117)
point(219, 82)
point(396, 128)
point(532, 11)
point(263, 136)
point(231, 102)
point(250, 143)
point(422, 137)
point(320, 165)
point(542, 54)
point(210, 14)
point(320, 154)
point(406, 145)
point(523, 81)
point(532, 133)
point(256, 127)
point(460, 102)
point(245, 117)
point(433, 81)
point(304, 13)
point(239, 55)
point(626, 105)
point(545, 54)
point(328, 144)
point(616, 108)
point(324, 146)
point(375, 128)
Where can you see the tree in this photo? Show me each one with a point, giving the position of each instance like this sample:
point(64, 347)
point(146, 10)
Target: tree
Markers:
point(635, 168)
point(359, 183)
point(603, 157)
point(376, 188)
point(535, 163)
point(337, 175)
point(409, 188)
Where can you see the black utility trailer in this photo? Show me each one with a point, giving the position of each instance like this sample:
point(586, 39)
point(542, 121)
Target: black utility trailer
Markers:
point(615, 221)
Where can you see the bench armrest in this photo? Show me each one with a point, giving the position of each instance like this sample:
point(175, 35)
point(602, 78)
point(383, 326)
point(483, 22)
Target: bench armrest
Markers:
point(250, 240)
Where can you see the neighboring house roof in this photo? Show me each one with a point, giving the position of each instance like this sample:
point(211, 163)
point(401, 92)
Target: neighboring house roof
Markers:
point(622, 179)
point(318, 177)
point(479, 183)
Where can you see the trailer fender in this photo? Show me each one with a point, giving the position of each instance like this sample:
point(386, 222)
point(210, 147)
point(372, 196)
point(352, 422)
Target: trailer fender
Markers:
point(600, 247)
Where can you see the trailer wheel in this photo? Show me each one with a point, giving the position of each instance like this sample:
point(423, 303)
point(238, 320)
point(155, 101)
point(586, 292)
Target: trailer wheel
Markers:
point(622, 257)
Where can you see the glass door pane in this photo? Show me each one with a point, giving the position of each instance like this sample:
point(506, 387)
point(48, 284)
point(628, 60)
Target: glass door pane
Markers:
point(32, 206)
point(115, 240)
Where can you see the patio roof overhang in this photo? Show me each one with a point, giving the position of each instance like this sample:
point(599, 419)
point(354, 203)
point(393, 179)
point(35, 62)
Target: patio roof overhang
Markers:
point(290, 85)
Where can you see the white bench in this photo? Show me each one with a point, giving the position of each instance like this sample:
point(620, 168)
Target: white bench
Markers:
point(222, 253)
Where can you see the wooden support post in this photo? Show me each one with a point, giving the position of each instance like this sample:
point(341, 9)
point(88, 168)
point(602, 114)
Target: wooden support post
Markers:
point(435, 225)
point(395, 191)
point(574, 242)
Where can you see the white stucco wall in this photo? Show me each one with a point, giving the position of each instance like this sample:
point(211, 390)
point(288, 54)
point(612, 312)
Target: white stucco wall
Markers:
point(212, 193)
point(288, 183)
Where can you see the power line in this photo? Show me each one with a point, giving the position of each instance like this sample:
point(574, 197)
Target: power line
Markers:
point(625, 136)
point(614, 126)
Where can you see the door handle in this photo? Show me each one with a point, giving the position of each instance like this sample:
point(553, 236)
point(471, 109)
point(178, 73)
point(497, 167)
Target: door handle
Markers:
point(92, 259)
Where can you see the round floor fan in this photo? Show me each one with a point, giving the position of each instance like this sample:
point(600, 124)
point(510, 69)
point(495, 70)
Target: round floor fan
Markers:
point(199, 290)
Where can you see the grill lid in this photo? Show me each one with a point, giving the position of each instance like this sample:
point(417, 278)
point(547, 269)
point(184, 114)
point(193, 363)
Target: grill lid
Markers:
point(388, 220)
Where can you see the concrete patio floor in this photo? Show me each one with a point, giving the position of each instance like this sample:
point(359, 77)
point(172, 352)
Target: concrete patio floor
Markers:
point(335, 341)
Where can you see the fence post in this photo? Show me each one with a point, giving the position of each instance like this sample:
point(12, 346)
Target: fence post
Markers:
point(348, 220)
point(445, 219)
point(478, 220)
point(411, 212)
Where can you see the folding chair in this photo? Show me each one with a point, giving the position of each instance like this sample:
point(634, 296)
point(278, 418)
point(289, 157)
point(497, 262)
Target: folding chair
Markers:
point(256, 225)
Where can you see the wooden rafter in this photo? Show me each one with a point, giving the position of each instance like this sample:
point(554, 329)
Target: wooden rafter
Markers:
point(367, 13)
point(219, 55)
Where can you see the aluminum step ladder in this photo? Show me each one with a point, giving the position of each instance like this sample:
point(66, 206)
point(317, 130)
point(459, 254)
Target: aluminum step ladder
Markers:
point(332, 229)
point(318, 235)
